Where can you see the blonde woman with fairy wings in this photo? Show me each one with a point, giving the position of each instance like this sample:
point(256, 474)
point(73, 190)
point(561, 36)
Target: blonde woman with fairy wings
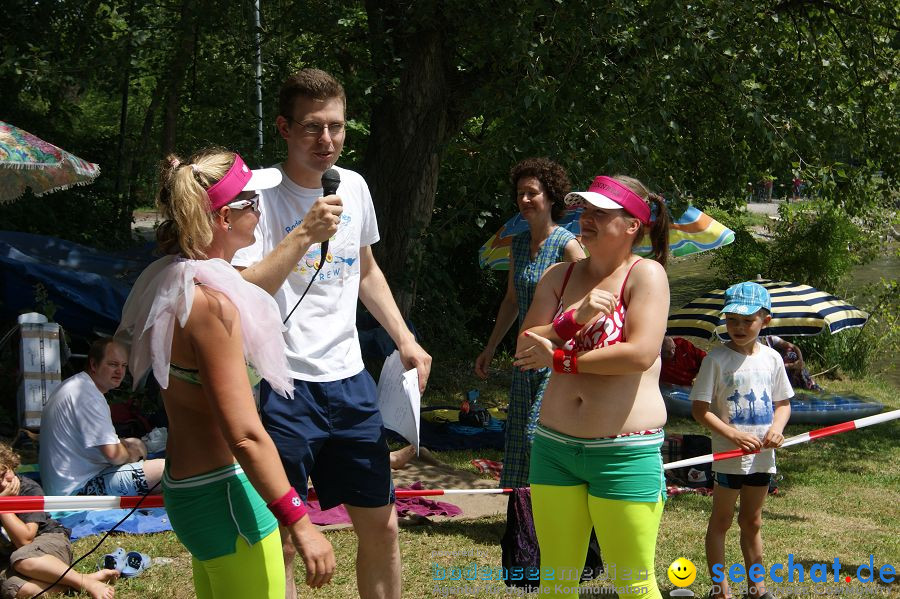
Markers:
point(207, 335)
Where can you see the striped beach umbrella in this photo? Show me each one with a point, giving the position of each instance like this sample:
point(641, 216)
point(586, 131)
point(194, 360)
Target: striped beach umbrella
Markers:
point(694, 231)
point(797, 309)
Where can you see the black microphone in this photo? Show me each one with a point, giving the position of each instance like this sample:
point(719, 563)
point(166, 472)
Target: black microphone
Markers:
point(331, 179)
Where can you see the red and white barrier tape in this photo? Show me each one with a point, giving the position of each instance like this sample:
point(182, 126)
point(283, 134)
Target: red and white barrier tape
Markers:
point(796, 440)
point(108, 502)
point(50, 503)
point(61, 503)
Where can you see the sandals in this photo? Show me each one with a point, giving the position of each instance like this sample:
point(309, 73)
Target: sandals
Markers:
point(128, 564)
point(135, 563)
point(113, 561)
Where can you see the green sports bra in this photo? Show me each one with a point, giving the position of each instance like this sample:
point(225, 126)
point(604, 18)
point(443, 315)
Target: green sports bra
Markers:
point(192, 375)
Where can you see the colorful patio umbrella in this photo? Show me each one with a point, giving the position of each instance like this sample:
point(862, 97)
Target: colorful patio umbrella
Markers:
point(29, 161)
point(694, 232)
point(797, 309)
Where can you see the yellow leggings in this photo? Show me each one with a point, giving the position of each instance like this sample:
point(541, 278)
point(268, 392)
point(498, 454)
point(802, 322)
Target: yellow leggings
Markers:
point(626, 531)
point(251, 571)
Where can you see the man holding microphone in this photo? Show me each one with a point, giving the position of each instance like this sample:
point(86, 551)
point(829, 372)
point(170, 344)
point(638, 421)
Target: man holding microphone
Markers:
point(331, 431)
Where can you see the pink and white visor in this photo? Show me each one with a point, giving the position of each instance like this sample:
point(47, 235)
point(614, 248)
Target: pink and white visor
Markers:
point(240, 178)
point(607, 193)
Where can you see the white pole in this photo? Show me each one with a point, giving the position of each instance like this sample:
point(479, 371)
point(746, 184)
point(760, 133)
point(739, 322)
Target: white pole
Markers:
point(259, 99)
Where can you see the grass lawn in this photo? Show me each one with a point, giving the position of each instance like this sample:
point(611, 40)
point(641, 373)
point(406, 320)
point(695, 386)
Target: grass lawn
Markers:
point(839, 498)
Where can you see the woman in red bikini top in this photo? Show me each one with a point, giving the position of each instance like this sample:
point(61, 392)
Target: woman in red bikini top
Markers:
point(599, 323)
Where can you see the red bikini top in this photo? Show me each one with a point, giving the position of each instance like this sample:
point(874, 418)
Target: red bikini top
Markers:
point(605, 331)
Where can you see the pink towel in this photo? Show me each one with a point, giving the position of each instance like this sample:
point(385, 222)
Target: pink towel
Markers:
point(421, 506)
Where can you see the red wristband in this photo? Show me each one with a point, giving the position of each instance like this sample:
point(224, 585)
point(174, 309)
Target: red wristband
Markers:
point(558, 356)
point(289, 508)
point(566, 326)
point(565, 362)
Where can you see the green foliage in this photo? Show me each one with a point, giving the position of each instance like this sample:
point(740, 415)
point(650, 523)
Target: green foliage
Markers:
point(817, 243)
point(43, 302)
point(85, 215)
point(869, 350)
point(814, 243)
point(741, 260)
point(696, 99)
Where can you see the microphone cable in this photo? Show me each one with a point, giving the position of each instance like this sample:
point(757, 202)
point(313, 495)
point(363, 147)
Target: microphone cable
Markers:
point(313, 278)
point(331, 180)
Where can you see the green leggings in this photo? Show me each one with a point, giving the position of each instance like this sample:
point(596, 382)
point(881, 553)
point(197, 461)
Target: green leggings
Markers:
point(626, 531)
point(251, 571)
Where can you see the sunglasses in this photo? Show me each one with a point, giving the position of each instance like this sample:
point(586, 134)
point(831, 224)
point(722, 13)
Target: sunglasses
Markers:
point(252, 202)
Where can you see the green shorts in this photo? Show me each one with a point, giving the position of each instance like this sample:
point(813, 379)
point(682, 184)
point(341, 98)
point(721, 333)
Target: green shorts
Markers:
point(209, 511)
point(627, 467)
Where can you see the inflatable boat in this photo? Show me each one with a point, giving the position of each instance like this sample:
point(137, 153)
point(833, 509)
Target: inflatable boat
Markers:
point(807, 407)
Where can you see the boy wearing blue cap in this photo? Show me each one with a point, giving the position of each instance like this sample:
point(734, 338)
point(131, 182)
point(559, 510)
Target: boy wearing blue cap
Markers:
point(742, 395)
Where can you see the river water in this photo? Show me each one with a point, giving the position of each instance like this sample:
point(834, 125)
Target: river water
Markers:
point(692, 276)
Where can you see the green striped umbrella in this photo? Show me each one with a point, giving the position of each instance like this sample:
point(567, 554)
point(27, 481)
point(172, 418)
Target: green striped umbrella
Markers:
point(797, 309)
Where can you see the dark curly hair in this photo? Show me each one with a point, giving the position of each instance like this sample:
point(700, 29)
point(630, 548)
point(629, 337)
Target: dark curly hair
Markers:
point(8, 458)
point(551, 175)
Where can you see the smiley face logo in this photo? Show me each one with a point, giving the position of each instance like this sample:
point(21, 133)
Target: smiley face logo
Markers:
point(682, 572)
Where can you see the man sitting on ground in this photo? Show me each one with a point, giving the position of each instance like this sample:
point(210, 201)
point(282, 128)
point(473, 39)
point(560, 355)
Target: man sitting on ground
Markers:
point(81, 454)
point(680, 361)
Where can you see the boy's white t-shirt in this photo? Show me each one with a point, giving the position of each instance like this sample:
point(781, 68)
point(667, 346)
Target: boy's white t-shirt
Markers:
point(322, 342)
point(741, 390)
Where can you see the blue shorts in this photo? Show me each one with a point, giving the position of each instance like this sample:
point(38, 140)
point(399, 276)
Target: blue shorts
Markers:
point(127, 479)
point(736, 481)
point(332, 433)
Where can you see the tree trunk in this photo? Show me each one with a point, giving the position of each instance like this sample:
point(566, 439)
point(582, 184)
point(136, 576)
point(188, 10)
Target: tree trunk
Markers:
point(181, 56)
point(121, 157)
point(140, 152)
point(410, 125)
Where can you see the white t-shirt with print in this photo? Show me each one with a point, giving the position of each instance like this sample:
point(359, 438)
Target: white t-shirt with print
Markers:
point(741, 390)
point(322, 342)
point(74, 424)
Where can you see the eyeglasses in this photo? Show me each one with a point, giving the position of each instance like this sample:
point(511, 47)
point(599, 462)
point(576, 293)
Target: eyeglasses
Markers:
point(251, 202)
point(314, 128)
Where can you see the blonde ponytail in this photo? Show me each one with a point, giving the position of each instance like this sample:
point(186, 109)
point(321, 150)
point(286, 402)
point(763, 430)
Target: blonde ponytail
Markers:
point(183, 203)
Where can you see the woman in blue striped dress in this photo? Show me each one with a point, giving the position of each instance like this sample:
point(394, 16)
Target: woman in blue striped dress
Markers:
point(539, 187)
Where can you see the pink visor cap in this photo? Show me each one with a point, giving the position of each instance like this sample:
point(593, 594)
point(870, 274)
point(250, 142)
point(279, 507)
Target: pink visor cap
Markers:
point(606, 192)
point(240, 178)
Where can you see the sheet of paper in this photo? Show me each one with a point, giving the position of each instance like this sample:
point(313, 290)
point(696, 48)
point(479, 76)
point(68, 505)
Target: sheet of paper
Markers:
point(398, 399)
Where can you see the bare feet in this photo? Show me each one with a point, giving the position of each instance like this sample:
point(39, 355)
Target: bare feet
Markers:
point(96, 584)
point(401, 457)
point(107, 575)
point(99, 590)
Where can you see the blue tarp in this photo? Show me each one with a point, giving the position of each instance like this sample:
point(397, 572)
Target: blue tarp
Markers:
point(96, 522)
point(87, 286)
